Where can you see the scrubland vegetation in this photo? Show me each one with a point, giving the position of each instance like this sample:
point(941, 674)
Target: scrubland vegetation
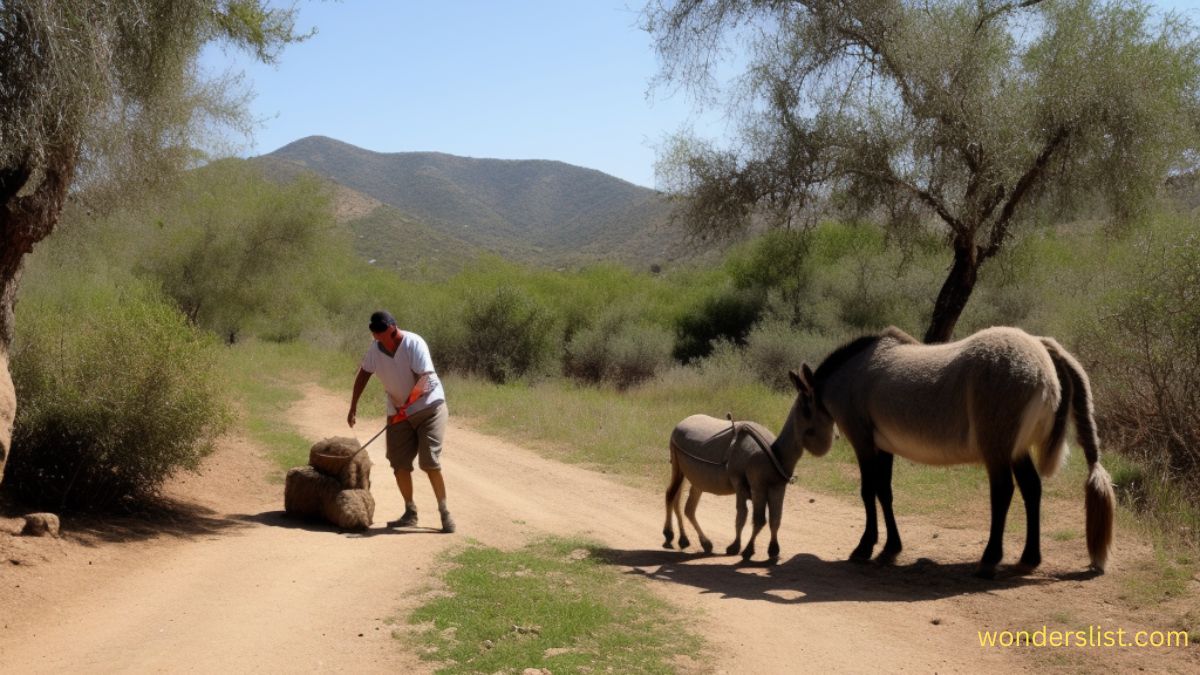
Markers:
point(129, 320)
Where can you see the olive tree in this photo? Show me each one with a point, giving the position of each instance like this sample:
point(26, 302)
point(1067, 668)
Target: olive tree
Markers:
point(974, 115)
point(99, 90)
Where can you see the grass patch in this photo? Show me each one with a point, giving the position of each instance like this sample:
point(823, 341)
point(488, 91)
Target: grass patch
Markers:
point(1165, 576)
point(549, 605)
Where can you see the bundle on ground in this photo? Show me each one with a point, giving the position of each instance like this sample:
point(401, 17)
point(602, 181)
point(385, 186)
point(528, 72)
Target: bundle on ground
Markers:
point(339, 457)
point(334, 487)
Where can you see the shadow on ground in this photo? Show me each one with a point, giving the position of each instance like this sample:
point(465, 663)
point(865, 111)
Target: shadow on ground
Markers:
point(282, 519)
point(805, 578)
point(163, 517)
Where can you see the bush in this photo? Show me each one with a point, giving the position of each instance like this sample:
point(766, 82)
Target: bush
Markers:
point(775, 347)
point(728, 315)
point(508, 336)
point(240, 254)
point(617, 350)
point(117, 392)
point(1144, 357)
point(777, 263)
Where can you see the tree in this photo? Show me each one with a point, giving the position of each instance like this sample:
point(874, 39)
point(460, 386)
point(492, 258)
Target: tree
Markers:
point(92, 90)
point(974, 114)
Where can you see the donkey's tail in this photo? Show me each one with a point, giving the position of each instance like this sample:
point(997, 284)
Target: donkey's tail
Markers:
point(1099, 499)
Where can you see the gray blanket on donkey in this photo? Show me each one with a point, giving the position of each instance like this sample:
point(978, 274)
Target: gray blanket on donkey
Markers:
point(705, 437)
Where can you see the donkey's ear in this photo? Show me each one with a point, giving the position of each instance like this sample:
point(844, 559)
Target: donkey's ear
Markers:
point(807, 372)
point(797, 381)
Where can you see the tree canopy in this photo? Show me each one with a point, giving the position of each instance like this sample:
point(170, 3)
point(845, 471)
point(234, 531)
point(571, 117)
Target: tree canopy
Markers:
point(969, 113)
point(99, 90)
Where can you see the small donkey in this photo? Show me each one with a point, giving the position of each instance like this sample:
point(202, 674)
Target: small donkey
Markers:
point(742, 458)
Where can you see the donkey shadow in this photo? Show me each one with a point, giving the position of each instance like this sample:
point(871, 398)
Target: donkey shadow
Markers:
point(805, 578)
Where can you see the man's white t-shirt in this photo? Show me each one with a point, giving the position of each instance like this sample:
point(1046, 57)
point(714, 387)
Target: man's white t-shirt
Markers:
point(399, 373)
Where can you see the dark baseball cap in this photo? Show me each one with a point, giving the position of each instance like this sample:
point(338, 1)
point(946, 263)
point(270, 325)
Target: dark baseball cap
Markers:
point(380, 321)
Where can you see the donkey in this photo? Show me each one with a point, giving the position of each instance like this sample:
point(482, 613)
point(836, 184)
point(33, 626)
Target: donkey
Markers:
point(1000, 397)
point(743, 458)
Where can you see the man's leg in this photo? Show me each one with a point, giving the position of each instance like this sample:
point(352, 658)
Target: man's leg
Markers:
point(404, 482)
point(439, 490)
point(401, 449)
point(436, 482)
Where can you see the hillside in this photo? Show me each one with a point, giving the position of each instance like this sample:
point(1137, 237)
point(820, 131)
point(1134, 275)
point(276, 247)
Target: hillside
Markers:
point(528, 210)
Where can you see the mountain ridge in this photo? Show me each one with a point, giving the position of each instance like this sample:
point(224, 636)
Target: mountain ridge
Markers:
point(531, 210)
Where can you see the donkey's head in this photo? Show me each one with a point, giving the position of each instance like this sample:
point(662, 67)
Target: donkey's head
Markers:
point(809, 426)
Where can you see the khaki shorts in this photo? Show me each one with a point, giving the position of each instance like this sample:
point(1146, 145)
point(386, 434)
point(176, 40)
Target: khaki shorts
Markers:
point(418, 436)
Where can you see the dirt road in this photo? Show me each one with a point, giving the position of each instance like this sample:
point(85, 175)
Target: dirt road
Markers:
point(236, 587)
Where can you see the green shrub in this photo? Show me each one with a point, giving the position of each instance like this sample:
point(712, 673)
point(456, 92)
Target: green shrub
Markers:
point(241, 254)
point(1144, 355)
point(619, 350)
point(777, 263)
point(117, 392)
point(775, 347)
point(508, 336)
point(727, 315)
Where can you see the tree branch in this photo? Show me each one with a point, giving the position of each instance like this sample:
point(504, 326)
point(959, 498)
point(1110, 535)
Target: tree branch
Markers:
point(986, 17)
point(1026, 182)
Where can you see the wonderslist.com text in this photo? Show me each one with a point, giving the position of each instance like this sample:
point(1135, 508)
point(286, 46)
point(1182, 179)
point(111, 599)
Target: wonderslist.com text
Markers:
point(1094, 636)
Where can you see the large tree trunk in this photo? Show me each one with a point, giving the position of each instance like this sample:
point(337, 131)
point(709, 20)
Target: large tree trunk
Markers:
point(954, 294)
point(31, 199)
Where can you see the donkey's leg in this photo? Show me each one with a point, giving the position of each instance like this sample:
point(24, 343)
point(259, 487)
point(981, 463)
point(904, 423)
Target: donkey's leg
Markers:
point(866, 468)
point(690, 510)
point(674, 487)
point(1001, 480)
point(1031, 493)
point(883, 491)
point(741, 496)
point(775, 504)
point(759, 498)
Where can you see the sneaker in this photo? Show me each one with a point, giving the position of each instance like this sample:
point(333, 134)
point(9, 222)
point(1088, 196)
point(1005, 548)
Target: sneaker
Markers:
point(447, 522)
point(409, 519)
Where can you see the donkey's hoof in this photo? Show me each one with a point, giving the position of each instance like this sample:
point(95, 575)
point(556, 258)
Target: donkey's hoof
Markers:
point(887, 556)
point(1027, 564)
point(684, 542)
point(861, 554)
point(706, 545)
point(732, 549)
point(667, 544)
point(984, 572)
point(773, 551)
point(748, 554)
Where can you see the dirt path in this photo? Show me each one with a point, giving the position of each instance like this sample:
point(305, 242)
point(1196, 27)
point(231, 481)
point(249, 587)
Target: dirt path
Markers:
point(241, 588)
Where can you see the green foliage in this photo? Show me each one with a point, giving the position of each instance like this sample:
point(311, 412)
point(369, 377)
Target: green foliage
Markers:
point(728, 315)
point(1143, 348)
point(508, 336)
point(778, 262)
point(551, 605)
point(238, 253)
point(619, 349)
point(1021, 110)
point(775, 347)
point(117, 392)
point(114, 87)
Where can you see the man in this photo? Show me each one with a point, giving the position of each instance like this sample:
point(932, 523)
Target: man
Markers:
point(416, 410)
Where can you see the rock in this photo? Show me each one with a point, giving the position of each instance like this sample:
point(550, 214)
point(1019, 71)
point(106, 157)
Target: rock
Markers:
point(40, 525)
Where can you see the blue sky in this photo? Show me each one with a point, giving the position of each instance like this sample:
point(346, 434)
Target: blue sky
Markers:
point(515, 79)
